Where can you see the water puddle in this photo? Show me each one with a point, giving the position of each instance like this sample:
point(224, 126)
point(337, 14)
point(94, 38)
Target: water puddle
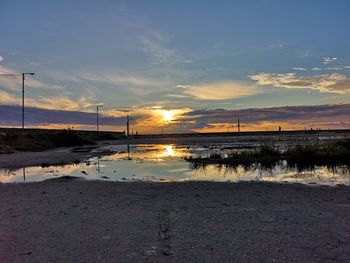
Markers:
point(166, 162)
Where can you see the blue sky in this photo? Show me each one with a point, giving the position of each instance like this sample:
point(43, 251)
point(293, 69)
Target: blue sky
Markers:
point(148, 56)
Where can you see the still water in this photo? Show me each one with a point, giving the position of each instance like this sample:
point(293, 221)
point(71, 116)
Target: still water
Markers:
point(166, 162)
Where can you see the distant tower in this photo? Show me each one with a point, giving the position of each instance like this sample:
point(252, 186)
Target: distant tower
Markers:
point(238, 126)
point(127, 125)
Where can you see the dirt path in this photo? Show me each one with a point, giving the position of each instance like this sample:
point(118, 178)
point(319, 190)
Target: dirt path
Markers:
point(65, 220)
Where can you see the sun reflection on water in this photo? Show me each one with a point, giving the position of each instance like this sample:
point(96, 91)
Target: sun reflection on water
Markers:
point(165, 162)
point(168, 151)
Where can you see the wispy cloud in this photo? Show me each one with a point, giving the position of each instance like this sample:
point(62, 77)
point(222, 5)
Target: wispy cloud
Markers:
point(329, 60)
point(12, 80)
point(300, 68)
point(220, 90)
point(112, 78)
point(178, 95)
point(297, 117)
point(151, 119)
point(278, 44)
point(335, 68)
point(6, 98)
point(307, 53)
point(155, 45)
point(330, 83)
point(324, 68)
point(51, 103)
point(329, 68)
point(48, 118)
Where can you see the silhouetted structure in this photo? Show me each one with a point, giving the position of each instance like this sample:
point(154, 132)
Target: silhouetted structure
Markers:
point(127, 125)
point(238, 126)
point(97, 120)
point(23, 78)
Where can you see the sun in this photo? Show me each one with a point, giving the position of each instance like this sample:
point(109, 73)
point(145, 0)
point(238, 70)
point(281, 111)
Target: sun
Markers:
point(168, 116)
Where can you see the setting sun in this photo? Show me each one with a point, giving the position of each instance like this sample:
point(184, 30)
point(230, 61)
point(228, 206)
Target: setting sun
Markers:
point(168, 116)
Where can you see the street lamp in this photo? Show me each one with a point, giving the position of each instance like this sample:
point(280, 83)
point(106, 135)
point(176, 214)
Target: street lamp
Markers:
point(23, 78)
point(97, 119)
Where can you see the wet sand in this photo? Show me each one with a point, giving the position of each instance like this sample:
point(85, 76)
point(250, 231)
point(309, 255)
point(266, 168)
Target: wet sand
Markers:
point(74, 220)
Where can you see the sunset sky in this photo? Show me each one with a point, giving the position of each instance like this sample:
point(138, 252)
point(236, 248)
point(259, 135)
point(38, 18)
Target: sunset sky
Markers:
point(180, 66)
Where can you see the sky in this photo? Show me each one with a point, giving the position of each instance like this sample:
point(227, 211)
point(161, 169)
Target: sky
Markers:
point(176, 66)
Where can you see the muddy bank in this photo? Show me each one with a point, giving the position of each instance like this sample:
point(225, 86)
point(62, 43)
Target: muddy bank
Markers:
point(57, 156)
point(12, 139)
point(65, 220)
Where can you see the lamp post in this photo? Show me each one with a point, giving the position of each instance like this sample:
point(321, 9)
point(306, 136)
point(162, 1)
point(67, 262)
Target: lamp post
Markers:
point(97, 119)
point(127, 125)
point(23, 78)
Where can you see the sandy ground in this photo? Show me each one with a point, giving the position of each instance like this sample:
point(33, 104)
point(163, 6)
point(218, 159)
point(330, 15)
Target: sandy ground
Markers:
point(73, 220)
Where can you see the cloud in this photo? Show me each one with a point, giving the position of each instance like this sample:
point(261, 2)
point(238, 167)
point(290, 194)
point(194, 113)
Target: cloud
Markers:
point(155, 45)
point(11, 80)
point(178, 95)
point(112, 78)
point(318, 69)
point(329, 68)
point(6, 98)
point(221, 90)
point(299, 68)
point(307, 53)
point(151, 119)
point(52, 103)
point(1, 58)
point(11, 116)
point(335, 68)
point(278, 44)
point(296, 117)
point(328, 60)
point(328, 83)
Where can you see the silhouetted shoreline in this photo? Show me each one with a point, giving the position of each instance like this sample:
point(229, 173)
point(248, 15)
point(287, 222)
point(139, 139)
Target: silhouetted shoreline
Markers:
point(71, 154)
point(12, 139)
point(37, 140)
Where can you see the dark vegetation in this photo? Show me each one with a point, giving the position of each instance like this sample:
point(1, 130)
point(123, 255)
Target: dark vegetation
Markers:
point(301, 157)
point(42, 139)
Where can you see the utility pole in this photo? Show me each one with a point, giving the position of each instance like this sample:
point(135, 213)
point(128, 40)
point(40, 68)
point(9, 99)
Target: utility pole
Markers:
point(127, 125)
point(23, 78)
point(238, 126)
point(97, 120)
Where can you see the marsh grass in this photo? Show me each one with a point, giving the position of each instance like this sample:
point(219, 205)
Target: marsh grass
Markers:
point(300, 158)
